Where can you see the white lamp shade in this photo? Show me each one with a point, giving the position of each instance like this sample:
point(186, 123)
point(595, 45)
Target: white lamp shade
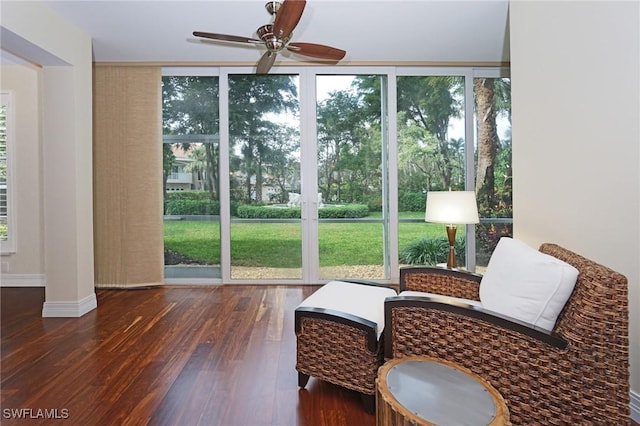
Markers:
point(452, 207)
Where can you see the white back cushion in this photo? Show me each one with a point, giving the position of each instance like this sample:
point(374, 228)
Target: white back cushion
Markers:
point(525, 284)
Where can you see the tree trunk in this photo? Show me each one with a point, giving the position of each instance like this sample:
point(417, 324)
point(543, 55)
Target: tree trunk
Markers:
point(211, 174)
point(259, 181)
point(487, 142)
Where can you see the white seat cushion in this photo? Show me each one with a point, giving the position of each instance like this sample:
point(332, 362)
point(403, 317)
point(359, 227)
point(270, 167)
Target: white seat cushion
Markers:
point(364, 301)
point(440, 297)
point(525, 284)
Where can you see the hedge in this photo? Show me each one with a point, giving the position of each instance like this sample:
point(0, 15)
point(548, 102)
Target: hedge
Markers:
point(191, 207)
point(331, 212)
point(198, 202)
point(411, 201)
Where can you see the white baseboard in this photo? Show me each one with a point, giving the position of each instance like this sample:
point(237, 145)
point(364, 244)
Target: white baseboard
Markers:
point(635, 406)
point(70, 309)
point(22, 280)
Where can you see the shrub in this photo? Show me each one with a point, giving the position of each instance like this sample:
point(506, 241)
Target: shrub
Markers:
point(374, 202)
point(412, 201)
point(185, 203)
point(247, 211)
point(425, 251)
point(351, 211)
point(431, 251)
point(186, 207)
point(186, 195)
point(487, 237)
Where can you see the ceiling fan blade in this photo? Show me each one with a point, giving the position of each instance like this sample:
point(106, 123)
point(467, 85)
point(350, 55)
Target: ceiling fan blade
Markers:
point(317, 51)
point(266, 62)
point(226, 37)
point(288, 17)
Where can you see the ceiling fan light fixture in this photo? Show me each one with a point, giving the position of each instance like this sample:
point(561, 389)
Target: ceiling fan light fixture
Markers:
point(265, 32)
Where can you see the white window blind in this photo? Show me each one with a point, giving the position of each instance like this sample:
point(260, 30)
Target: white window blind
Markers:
point(7, 219)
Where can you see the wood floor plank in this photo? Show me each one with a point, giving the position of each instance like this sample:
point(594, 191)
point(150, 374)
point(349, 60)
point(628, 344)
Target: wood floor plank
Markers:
point(221, 355)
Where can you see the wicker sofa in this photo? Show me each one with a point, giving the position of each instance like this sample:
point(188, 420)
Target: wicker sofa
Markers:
point(576, 374)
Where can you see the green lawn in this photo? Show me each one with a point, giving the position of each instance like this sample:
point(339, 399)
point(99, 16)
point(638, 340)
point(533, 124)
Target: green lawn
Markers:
point(278, 245)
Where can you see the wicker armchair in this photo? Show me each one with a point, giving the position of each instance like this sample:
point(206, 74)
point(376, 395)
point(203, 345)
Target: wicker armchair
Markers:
point(577, 374)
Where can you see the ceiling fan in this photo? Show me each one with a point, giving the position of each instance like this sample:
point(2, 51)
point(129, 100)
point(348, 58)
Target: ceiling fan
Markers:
point(276, 36)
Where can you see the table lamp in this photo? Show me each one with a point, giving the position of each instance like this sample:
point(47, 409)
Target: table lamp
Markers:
point(451, 208)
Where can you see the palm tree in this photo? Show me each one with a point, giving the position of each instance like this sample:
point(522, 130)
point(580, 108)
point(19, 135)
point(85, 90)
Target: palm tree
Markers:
point(199, 165)
point(487, 141)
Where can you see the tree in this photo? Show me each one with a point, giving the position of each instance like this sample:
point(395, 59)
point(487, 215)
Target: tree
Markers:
point(199, 165)
point(430, 103)
point(253, 101)
point(282, 166)
point(492, 98)
point(167, 165)
point(427, 103)
point(487, 141)
point(191, 107)
point(349, 149)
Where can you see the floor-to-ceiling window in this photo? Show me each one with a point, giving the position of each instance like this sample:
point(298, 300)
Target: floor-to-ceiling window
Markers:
point(454, 133)
point(431, 157)
point(492, 155)
point(264, 177)
point(352, 168)
point(304, 175)
point(190, 183)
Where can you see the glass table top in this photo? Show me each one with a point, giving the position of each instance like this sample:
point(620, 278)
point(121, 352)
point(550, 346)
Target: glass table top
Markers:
point(441, 394)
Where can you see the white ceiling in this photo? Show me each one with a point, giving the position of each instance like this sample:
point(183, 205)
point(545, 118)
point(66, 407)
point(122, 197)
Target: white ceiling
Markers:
point(370, 31)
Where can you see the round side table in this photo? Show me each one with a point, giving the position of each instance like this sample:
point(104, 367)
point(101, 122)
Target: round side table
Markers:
point(420, 390)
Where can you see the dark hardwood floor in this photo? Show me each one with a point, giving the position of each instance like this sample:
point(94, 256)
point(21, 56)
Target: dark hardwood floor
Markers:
point(221, 355)
point(165, 356)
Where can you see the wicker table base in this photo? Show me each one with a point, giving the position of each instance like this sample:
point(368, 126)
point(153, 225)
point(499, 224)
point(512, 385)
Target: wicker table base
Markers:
point(428, 391)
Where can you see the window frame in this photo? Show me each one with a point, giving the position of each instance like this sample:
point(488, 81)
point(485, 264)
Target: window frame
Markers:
point(307, 92)
point(8, 246)
point(484, 72)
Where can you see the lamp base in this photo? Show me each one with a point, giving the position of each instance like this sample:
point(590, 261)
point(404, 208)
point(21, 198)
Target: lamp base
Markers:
point(451, 235)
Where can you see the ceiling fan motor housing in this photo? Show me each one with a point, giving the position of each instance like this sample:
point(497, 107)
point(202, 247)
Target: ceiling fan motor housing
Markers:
point(273, 43)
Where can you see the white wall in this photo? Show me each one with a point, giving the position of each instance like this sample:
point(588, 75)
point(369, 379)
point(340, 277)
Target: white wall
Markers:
point(32, 31)
point(576, 135)
point(27, 264)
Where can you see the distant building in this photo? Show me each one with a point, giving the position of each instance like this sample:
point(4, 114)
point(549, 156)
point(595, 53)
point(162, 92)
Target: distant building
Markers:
point(181, 178)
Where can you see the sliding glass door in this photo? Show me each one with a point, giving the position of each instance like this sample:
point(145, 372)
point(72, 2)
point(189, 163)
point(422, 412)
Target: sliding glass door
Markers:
point(264, 177)
point(431, 157)
point(351, 164)
point(191, 146)
point(304, 176)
